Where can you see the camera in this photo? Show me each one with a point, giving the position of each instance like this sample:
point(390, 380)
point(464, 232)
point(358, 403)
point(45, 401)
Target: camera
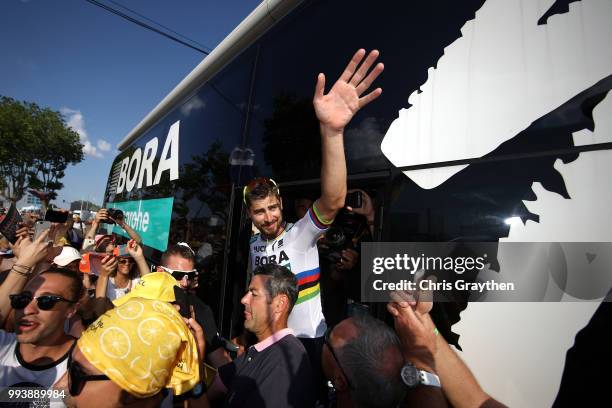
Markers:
point(346, 231)
point(114, 214)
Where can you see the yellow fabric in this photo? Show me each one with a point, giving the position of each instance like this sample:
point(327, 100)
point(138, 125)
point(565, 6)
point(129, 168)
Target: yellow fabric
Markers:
point(143, 346)
point(154, 286)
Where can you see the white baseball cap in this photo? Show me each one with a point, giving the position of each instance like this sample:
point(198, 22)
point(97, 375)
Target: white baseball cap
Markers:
point(68, 254)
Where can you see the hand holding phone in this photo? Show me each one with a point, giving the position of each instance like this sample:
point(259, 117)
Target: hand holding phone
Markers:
point(182, 300)
point(40, 227)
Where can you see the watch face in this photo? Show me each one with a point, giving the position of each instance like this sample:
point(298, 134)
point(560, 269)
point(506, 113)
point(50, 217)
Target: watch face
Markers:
point(410, 375)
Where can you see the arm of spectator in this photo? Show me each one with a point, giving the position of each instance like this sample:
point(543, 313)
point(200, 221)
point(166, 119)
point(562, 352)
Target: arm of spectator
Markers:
point(418, 339)
point(334, 111)
point(135, 251)
point(109, 265)
point(101, 216)
point(366, 209)
point(30, 254)
point(133, 234)
point(458, 383)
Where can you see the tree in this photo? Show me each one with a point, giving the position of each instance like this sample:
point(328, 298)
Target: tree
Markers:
point(16, 154)
point(36, 146)
point(60, 146)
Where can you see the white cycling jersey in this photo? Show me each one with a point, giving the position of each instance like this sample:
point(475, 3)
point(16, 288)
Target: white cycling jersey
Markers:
point(296, 249)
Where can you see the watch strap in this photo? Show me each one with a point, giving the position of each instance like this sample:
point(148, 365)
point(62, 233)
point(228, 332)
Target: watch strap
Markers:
point(430, 379)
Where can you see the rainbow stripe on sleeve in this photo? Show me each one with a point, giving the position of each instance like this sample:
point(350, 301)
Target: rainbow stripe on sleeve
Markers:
point(308, 283)
point(317, 219)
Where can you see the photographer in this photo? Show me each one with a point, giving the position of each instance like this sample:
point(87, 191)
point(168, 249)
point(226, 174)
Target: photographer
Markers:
point(339, 251)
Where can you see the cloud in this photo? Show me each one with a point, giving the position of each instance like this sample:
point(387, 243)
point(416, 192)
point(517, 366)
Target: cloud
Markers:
point(103, 145)
point(76, 121)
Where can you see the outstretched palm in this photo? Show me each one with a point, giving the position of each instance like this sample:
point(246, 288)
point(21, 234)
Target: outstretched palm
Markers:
point(337, 108)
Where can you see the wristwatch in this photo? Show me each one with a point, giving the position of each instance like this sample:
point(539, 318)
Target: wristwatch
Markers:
point(412, 376)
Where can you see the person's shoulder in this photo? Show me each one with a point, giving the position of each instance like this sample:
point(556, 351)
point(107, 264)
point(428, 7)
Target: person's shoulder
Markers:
point(290, 341)
point(254, 238)
point(7, 338)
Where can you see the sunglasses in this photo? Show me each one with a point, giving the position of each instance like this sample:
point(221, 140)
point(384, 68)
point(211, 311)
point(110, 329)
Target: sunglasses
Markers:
point(125, 261)
point(44, 302)
point(327, 342)
point(256, 182)
point(77, 377)
point(179, 275)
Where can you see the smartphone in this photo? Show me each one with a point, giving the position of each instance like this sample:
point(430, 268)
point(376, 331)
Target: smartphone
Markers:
point(353, 200)
point(92, 263)
point(59, 217)
point(40, 227)
point(121, 250)
point(182, 300)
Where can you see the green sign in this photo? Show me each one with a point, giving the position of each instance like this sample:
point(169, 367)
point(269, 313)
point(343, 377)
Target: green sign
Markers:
point(149, 218)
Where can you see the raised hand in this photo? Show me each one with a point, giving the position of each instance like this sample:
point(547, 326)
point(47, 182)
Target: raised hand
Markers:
point(417, 334)
point(101, 215)
point(134, 249)
point(367, 207)
point(336, 108)
point(32, 252)
point(109, 265)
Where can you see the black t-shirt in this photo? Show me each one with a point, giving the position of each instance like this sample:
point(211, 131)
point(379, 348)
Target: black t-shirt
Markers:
point(204, 316)
point(278, 376)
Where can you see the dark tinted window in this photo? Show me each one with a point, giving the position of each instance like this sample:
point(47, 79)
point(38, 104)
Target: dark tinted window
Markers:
point(321, 37)
point(211, 127)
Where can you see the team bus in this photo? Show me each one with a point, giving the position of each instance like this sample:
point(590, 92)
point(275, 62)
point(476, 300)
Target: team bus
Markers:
point(494, 125)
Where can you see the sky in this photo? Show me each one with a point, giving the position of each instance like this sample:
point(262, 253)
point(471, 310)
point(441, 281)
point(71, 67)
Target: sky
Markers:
point(103, 73)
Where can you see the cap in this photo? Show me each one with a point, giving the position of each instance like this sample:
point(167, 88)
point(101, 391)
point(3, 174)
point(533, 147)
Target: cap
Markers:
point(68, 254)
point(154, 286)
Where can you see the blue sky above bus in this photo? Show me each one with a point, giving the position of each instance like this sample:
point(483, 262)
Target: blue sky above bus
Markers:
point(101, 71)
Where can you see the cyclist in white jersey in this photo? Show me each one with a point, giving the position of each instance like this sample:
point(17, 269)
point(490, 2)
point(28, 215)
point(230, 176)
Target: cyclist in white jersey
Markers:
point(294, 245)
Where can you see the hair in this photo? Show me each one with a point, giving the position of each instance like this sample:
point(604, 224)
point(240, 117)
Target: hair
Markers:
point(183, 251)
point(373, 384)
point(134, 272)
point(261, 190)
point(76, 285)
point(281, 282)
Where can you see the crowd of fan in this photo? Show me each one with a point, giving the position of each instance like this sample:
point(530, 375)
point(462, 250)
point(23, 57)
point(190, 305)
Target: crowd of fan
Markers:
point(82, 313)
point(108, 329)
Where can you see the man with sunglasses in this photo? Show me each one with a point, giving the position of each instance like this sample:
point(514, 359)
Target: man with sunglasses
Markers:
point(179, 261)
point(36, 353)
point(294, 245)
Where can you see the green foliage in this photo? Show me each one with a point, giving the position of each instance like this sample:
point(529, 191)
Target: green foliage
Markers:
point(36, 147)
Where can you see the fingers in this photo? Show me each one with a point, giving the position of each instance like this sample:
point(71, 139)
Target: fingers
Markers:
point(369, 97)
point(365, 84)
point(320, 87)
point(42, 237)
point(352, 65)
point(403, 298)
point(363, 69)
point(392, 308)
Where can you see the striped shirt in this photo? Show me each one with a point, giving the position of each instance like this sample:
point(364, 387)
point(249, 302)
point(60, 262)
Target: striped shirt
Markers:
point(296, 249)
